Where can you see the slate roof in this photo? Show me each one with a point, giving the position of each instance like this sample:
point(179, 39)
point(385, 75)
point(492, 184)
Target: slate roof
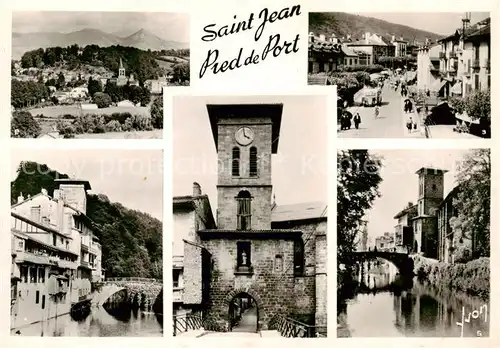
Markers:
point(300, 211)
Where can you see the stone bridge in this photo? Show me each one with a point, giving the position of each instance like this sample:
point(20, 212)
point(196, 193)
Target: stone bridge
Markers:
point(402, 261)
point(145, 293)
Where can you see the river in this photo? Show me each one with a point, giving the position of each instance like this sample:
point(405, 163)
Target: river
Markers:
point(100, 322)
point(378, 308)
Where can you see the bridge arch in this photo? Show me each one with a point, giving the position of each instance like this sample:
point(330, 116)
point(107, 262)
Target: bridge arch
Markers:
point(403, 262)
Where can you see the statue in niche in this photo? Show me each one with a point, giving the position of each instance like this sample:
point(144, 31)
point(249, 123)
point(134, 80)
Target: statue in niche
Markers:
point(243, 258)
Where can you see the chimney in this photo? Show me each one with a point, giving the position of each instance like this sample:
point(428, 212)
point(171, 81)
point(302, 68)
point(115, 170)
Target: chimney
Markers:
point(196, 189)
point(60, 211)
point(393, 38)
point(20, 199)
point(322, 37)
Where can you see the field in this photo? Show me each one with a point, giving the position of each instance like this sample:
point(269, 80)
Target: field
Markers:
point(154, 134)
point(58, 111)
point(168, 62)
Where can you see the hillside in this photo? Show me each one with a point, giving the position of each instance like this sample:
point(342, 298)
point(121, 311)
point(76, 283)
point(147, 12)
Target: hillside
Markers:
point(131, 240)
point(342, 24)
point(142, 39)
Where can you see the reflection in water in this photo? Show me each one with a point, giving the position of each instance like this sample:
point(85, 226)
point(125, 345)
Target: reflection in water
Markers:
point(418, 311)
point(100, 322)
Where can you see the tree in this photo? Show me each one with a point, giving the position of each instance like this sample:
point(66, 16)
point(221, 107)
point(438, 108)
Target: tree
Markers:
point(102, 100)
point(477, 105)
point(61, 81)
point(472, 202)
point(94, 86)
point(157, 113)
point(23, 125)
point(181, 72)
point(357, 188)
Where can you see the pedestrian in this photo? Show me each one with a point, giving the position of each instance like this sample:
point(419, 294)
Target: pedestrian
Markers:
point(410, 106)
point(409, 125)
point(357, 120)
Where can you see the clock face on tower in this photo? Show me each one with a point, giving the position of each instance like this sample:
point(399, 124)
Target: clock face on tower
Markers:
point(244, 136)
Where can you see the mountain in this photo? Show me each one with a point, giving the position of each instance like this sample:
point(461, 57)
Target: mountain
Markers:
point(342, 24)
point(142, 39)
point(145, 40)
point(131, 240)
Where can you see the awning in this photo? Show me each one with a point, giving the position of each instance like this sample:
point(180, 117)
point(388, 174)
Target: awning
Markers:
point(457, 88)
point(437, 85)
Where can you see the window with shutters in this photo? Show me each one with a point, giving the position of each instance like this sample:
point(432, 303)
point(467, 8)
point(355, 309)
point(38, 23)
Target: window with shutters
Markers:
point(253, 161)
point(244, 200)
point(236, 162)
point(35, 213)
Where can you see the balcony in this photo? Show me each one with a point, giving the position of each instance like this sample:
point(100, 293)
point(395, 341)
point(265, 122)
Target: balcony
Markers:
point(33, 258)
point(442, 55)
point(67, 264)
point(475, 64)
point(85, 264)
point(452, 54)
point(177, 262)
point(178, 295)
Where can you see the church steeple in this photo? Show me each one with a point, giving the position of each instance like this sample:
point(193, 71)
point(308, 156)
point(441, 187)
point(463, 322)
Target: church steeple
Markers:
point(121, 69)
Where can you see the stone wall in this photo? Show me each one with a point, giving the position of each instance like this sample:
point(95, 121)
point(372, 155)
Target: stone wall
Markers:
point(321, 281)
point(261, 207)
point(272, 288)
point(192, 274)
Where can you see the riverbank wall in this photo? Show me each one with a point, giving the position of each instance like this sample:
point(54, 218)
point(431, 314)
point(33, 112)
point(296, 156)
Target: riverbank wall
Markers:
point(472, 278)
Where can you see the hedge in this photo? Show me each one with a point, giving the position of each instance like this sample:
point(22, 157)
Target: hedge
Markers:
point(472, 277)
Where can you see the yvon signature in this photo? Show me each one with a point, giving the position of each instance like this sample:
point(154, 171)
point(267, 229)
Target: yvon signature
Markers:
point(474, 315)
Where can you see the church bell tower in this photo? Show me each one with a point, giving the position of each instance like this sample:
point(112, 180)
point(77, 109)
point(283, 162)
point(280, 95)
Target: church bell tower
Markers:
point(246, 136)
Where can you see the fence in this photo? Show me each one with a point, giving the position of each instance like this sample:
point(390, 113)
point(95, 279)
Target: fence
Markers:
point(186, 322)
point(288, 327)
point(134, 279)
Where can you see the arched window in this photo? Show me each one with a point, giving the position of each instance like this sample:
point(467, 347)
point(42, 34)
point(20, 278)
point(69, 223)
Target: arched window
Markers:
point(244, 210)
point(253, 161)
point(236, 162)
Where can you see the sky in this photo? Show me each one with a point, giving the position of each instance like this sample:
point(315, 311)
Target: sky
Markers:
point(443, 23)
point(168, 26)
point(133, 178)
point(299, 168)
point(400, 183)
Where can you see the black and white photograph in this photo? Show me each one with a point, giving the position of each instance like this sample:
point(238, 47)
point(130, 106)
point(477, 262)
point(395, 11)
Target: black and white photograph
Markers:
point(97, 75)
point(250, 188)
point(405, 75)
point(413, 243)
point(86, 243)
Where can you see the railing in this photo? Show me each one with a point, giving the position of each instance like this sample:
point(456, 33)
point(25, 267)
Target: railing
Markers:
point(288, 327)
point(186, 322)
point(134, 279)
